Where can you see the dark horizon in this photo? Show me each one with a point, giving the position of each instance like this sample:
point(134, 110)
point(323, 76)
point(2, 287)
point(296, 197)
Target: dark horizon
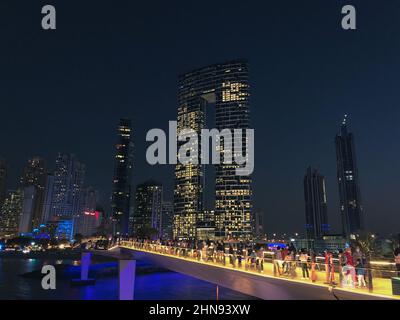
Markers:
point(65, 91)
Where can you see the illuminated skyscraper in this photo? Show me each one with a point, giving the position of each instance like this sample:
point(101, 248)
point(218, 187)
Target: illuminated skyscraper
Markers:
point(68, 187)
point(315, 204)
point(35, 175)
point(122, 179)
point(11, 213)
point(347, 175)
point(223, 87)
point(148, 208)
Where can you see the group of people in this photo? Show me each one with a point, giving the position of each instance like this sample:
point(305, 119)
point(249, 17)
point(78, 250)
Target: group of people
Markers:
point(353, 268)
point(351, 265)
point(237, 254)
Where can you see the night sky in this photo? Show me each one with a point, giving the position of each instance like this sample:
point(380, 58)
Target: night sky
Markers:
point(64, 90)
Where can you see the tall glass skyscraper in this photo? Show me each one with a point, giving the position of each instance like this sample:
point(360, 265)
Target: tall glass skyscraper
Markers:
point(35, 175)
point(225, 88)
point(122, 180)
point(68, 187)
point(315, 204)
point(347, 175)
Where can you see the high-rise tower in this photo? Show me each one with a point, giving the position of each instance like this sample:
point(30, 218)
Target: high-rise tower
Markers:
point(224, 87)
point(315, 204)
point(122, 179)
point(11, 211)
point(68, 187)
point(347, 175)
point(148, 208)
point(35, 176)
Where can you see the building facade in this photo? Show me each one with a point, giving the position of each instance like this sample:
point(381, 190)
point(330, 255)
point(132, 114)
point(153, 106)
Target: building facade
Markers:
point(68, 187)
point(167, 220)
point(11, 213)
point(315, 204)
point(225, 88)
point(28, 209)
point(205, 225)
point(89, 220)
point(34, 175)
point(148, 208)
point(48, 197)
point(348, 181)
point(122, 180)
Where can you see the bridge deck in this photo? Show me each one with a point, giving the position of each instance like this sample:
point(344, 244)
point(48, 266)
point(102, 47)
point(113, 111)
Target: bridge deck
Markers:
point(224, 274)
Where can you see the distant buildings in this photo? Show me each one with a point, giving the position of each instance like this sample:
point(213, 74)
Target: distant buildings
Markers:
point(225, 87)
point(122, 179)
point(315, 204)
point(61, 228)
point(90, 218)
point(258, 219)
point(3, 180)
point(347, 175)
point(167, 219)
point(29, 198)
point(11, 213)
point(48, 198)
point(148, 208)
point(68, 187)
point(33, 184)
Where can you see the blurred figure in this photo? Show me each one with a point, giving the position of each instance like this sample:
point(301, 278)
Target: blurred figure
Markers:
point(360, 271)
point(397, 259)
point(304, 263)
point(260, 259)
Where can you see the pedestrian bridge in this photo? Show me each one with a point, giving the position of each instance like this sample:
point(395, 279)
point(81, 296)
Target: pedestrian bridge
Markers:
point(266, 285)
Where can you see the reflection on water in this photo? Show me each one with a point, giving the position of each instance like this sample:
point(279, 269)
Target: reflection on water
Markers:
point(153, 286)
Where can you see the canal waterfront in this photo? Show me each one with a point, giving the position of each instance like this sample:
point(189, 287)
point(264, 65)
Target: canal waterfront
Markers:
point(152, 283)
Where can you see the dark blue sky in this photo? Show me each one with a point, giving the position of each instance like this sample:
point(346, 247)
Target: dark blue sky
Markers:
point(65, 90)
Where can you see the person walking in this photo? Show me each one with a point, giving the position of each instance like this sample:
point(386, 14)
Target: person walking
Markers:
point(278, 260)
point(239, 254)
point(232, 255)
point(304, 264)
point(360, 271)
point(287, 264)
point(329, 267)
point(348, 270)
point(313, 264)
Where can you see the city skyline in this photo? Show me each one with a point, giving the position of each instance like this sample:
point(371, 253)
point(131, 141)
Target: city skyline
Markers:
point(293, 98)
